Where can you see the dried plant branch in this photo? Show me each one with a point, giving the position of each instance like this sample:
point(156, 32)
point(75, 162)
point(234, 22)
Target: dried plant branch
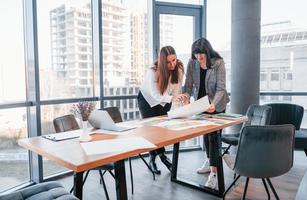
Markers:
point(83, 109)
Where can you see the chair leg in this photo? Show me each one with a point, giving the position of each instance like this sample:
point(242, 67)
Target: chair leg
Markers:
point(272, 188)
point(266, 188)
point(100, 181)
point(111, 173)
point(226, 150)
point(82, 182)
point(131, 176)
point(245, 188)
point(224, 195)
point(85, 177)
point(104, 185)
point(305, 150)
point(153, 174)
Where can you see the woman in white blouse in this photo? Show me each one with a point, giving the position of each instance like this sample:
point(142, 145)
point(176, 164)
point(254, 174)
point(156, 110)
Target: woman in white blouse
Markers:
point(161, 87)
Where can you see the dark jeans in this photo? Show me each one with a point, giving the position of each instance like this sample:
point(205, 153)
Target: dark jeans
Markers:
point(211, 140)
point(147, 111)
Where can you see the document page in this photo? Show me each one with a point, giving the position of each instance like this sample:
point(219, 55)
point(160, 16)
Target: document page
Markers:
point(116, 145)
point(182, 124)
point(193, 108)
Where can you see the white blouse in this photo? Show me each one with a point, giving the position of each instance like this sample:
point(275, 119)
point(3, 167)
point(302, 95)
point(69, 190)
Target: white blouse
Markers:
point(151, 93)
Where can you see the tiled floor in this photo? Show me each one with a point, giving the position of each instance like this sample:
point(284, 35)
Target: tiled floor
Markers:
point(163, 189)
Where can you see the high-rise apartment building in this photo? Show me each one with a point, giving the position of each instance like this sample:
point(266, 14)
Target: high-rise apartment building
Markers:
point(71, 47)
point(139, 43)
point(139, 47)
point(166, 30)
point(116, 44)
point(71, 39)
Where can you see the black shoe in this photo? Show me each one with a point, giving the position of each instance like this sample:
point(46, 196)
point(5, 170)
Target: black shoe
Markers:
point(166, 161)
point(153, 166)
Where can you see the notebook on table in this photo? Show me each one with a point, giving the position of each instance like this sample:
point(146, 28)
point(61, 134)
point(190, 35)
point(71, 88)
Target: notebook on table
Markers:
point(63, 135)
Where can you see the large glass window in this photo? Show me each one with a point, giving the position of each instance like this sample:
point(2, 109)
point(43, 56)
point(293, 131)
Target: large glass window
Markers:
point(171, 33)
point(65, 49)
point(219, 32)
point(284, 49)
point(125, 51)
point(12, 68)
point(48, 114)
point(171, 26)
point(125, 44)
point(64, 30)
point(14, 163)
point(193, 2)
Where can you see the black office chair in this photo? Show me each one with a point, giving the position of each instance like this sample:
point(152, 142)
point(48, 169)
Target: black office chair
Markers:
point(69, 123)
point(285, 113)
point(257, 115)
point(263, 152)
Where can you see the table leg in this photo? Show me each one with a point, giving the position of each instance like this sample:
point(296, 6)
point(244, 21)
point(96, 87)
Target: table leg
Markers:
point(194, 185)
point(175, 161)
point(78, 184)
point(120, 180)
point(219, 166)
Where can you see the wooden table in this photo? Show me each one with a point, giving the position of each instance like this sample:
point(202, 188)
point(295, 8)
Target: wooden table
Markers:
point(70, 154)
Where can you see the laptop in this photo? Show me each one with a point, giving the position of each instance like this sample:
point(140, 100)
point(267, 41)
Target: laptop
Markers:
point(101, 119)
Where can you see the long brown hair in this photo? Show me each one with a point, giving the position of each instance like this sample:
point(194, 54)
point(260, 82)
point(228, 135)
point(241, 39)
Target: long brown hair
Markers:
point(163, 72)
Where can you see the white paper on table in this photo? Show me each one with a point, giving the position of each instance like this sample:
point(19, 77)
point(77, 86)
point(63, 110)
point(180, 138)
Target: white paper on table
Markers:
point(116, 145)
point(152, 121)
point(182, 124)
point(104, 131)
point(193, 108)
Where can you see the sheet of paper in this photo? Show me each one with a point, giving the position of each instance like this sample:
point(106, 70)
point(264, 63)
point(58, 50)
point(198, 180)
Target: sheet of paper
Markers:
point(129, 124)
point(152, 121)
point(193, 108)
point(116, 145)
point(182, 124)
point(103, 131)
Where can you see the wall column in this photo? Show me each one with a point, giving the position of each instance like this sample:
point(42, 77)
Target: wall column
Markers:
point(245, 54)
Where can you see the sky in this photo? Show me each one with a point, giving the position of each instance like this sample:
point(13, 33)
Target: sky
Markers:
point(218, 32)
point(219, 17)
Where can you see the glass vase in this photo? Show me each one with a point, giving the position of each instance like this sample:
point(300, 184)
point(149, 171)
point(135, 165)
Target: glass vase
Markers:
point(85, 134)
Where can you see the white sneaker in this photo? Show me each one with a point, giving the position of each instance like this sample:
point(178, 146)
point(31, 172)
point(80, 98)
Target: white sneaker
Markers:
point(205, 168)
point(212, 181)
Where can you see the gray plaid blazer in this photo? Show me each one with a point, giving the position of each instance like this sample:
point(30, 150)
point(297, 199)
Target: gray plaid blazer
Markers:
point(215, 82)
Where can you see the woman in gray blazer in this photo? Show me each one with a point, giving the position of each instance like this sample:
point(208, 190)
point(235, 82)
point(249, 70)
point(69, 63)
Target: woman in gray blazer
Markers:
point(206, 76)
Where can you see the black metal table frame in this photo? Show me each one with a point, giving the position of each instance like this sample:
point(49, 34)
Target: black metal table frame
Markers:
point(120, 174)
point(120, 181)
point(220, 172)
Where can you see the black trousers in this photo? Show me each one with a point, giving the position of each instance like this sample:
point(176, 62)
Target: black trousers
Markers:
point(147, 111)
point(211, 140)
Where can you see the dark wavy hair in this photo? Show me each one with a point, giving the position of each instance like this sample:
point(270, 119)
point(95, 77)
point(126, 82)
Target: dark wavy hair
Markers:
point(202, 45)
point(163, 72)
